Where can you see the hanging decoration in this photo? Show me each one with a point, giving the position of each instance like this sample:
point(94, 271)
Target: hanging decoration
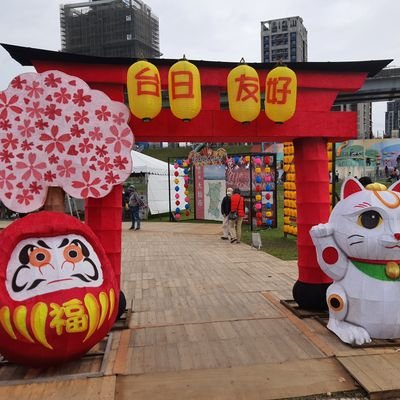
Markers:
point(258, 197)
point(184, 90)
point(182, 205)
point(144, 90)
point(268, 194)
point(280, 94)
point(243, 87)
point(289, 186)
point(289, 193)
point(208, 156)
point(254, 175)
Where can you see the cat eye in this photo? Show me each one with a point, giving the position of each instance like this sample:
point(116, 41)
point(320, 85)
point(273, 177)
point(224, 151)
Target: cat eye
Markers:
point(369, 219)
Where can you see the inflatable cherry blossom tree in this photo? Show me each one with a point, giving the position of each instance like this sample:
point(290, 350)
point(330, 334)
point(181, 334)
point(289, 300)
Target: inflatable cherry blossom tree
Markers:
point(55, 131)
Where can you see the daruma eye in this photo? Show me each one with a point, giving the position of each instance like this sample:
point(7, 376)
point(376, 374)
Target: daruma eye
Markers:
point(73, 253)
point(369, 219)
point(39, 257)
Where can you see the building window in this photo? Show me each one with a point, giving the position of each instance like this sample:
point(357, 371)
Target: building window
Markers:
point(128, 36)
point(128, 18)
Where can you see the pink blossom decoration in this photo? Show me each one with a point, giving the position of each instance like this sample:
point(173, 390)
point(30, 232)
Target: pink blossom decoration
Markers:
point(56, 131)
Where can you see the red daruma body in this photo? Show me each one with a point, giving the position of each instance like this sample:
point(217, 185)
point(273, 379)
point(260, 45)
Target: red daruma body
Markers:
point(58, 291)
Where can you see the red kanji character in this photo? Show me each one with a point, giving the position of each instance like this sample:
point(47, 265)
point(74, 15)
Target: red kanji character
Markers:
point(248, 87)
point(182, 85)
point(147, 84)
point(276, 87)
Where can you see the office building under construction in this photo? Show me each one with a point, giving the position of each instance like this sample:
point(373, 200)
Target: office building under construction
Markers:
point(110, 28)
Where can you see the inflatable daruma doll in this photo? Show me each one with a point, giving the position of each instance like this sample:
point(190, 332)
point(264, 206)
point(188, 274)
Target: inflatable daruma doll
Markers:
point(57, 290)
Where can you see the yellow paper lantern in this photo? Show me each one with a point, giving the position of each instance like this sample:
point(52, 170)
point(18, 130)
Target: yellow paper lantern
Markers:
point(258, 170)
point(280, 94)
point(184, 90)
point(144, 90)
point(267, 169)
point(258, 197)
point(176, 180)
point(243, 93)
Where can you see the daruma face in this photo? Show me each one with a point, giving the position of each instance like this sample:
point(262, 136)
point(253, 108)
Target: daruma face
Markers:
point(44, 265)
point(57, 290)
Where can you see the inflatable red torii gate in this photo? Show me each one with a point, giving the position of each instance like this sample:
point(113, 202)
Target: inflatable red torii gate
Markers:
point(312, 126)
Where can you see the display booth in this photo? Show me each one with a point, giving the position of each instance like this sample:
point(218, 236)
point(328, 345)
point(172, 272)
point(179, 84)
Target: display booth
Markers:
point(153, 181)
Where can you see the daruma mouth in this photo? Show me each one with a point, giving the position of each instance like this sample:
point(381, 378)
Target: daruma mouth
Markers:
point(59, 280)
point(72, 316)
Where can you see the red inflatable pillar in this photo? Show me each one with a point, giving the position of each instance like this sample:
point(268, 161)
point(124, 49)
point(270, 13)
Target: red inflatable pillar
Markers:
point(104, 216)
point(313, 207)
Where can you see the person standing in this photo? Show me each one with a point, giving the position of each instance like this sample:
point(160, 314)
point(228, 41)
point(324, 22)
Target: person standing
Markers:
point(225, 209)
point(135, 202)
point(235, 225)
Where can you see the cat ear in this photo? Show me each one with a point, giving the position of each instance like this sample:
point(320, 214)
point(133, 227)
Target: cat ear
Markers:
point(395, 187)
point(351, 186)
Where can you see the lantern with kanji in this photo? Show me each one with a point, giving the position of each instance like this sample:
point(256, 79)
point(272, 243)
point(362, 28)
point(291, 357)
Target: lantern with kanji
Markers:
point(144, 90)
point(280, 94)
point(184, 90)
point(57, 290)
point(243, 93)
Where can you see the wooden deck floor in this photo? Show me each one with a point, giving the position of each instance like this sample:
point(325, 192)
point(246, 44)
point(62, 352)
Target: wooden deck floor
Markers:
point(206, 323)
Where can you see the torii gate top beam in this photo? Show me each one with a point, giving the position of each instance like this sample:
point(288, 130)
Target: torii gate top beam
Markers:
point(319, 83)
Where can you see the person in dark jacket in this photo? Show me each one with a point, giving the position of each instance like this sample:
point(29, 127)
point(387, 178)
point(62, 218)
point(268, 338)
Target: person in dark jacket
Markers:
point(235, 225)
point(134, 202)
point(225, 209)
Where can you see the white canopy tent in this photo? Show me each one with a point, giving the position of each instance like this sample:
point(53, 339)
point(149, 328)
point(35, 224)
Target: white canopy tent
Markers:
point(157, 182)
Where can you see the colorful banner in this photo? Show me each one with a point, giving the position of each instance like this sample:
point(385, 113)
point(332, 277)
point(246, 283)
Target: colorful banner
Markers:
point(377, 158)
point(199, 191)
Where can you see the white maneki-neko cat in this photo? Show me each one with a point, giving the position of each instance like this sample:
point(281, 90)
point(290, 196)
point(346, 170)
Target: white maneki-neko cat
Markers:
point(359, 248)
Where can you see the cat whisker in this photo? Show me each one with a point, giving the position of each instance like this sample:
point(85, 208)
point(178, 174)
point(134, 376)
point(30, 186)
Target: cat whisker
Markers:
point(361, 241)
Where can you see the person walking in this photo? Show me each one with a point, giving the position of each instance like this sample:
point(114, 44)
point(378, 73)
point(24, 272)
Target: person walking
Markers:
point(235, 224)
point(135, 202)
point(225, 209)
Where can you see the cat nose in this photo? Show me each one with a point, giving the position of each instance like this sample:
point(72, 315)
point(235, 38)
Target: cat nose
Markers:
point(397, 236)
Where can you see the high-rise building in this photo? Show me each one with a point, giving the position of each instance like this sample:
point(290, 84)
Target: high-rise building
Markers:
point(110, 28)
point(283, 40)
point(392, 119)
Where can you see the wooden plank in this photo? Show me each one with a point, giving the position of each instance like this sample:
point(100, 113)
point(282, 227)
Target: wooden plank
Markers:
point(378, 374)
point(83, 389)
point(302, 326)
point(269, 381)
point(121, 357)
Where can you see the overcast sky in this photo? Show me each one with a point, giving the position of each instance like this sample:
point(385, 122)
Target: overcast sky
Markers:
point(227, 30)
